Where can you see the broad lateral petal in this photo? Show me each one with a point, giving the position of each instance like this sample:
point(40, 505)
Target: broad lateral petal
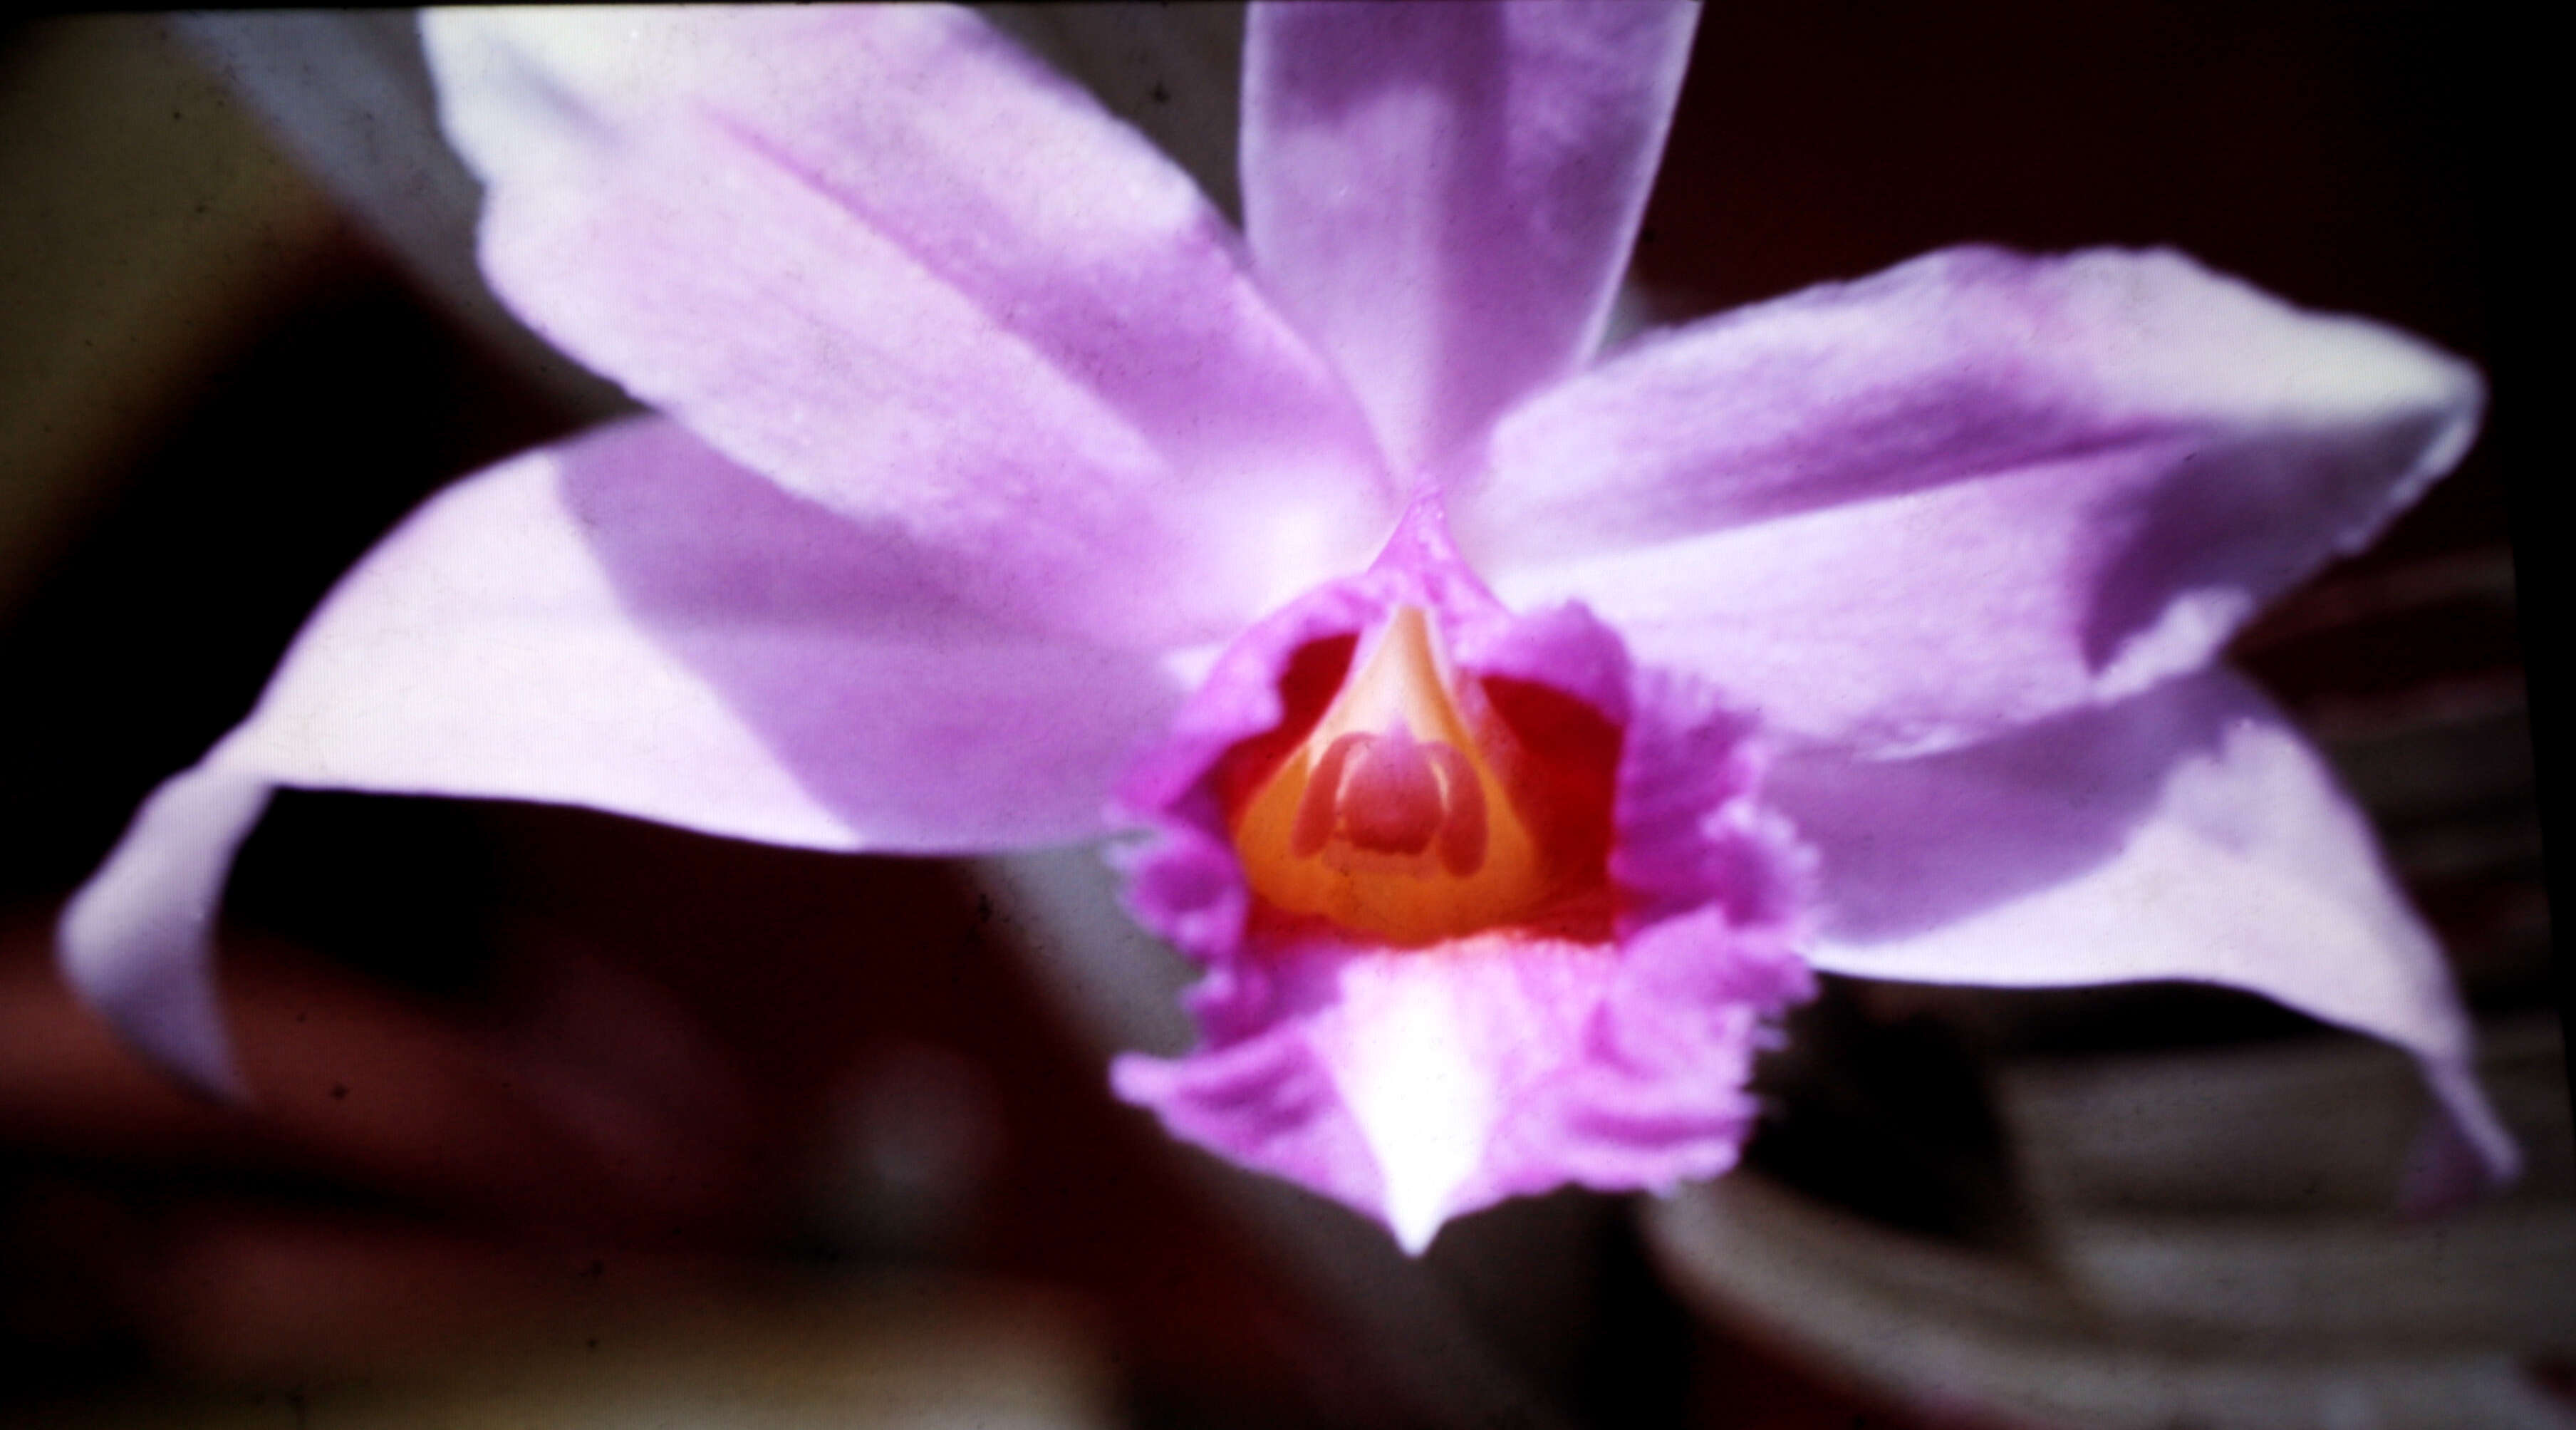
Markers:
point(846, 243)
point(632, 623)
point(1970, 493)
point(2189, 833)
point(1444, 194)
point(629, 621)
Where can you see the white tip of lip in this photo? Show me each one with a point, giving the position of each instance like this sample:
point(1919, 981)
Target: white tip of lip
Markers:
point(1419, 1093)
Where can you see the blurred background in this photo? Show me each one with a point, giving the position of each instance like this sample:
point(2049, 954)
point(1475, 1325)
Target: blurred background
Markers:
point(570, 1120)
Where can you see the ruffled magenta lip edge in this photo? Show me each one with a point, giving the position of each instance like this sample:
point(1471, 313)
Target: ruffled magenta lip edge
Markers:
point(1659, 865)
point(1705, 952)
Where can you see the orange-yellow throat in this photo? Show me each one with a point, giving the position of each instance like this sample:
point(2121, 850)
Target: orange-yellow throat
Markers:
point(1400, 816)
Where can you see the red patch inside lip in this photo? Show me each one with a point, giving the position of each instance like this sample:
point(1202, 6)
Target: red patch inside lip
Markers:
point(1573, 791)
point(1313, 675)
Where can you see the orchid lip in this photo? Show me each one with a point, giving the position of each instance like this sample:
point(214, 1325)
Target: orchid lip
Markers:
point(1486, 907)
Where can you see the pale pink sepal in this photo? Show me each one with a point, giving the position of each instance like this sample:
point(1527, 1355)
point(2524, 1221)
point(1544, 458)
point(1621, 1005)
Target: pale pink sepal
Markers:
point(1444, 194)
point(2189, 833)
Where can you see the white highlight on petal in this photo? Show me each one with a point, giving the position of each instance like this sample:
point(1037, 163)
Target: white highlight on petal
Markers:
point(1416, 1083)
point(2193, 624)
point(1189, 666)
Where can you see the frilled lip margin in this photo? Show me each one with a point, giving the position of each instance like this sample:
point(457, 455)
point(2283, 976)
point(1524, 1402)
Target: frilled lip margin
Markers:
point(1418, 1084)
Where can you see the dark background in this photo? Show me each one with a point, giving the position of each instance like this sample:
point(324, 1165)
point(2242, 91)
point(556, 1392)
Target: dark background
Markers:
point(416, 983)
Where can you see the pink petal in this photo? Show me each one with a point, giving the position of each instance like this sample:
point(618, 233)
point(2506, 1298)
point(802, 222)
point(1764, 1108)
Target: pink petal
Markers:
point(2189, 833)
point(881, 256)
point(632, 623)
point(1970, 493)
point(1444, 194)
point(134, 941)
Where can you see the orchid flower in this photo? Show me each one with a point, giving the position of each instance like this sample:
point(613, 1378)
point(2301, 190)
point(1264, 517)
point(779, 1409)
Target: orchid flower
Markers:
point(1513, 728)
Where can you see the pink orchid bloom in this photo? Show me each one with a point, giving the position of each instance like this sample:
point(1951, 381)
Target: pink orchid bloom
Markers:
point(1516, 725)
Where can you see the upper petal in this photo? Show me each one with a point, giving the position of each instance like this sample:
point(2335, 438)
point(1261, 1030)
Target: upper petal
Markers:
point(2188, 833)
point(1966, 494)
point(881, 256)
point(1444, 194)
point(633, 623)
